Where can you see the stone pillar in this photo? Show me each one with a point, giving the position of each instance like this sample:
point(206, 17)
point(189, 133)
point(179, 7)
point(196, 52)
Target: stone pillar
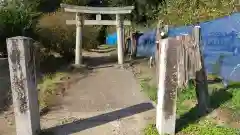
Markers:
point(167, 87)
point(23, 84)
point(119, 39)
point(78, 49)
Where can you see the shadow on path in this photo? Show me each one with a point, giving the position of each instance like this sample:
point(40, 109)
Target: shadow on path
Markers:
point(99, 61)
point(98, 120)
point(217, 98)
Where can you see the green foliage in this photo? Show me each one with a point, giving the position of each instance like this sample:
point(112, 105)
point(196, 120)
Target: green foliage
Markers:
point(187, 94)
point(16, 19)
point(48, 88)
point(28, 5)
point(184, 12)
point(55, 36)
point(151, 130)
point(206, 127)
point(93, 36)
point(149, 89)
point(234, 103)
point(49, 5)
point(76, 2)
point(145, 11)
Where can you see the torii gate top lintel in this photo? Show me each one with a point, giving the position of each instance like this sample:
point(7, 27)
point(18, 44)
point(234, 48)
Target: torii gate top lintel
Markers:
point(97, 10)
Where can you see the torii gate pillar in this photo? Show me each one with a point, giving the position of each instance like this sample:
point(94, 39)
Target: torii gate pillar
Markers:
point(78, 48)
point(120, 40)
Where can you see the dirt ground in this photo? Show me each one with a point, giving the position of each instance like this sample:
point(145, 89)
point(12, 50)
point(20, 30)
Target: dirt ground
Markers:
point(6, 116)
point(107, 101)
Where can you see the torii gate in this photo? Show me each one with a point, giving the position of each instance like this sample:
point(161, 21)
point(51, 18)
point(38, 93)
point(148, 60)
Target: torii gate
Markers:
point(79, 21)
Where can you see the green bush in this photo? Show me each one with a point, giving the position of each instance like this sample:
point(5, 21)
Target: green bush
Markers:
point(55, 36)
point(76, 2)
point(185, 12)
point(92, 36)
point(16, 22)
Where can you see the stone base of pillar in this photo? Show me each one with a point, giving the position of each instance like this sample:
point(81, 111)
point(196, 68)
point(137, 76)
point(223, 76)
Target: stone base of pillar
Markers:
point(78, 66)
point(119, 66)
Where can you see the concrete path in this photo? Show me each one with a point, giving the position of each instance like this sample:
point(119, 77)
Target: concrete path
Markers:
point(108, 101)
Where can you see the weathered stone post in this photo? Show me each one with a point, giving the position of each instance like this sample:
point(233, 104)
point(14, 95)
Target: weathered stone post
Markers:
point(23, 84)
point(119, 38)
point(167, 87)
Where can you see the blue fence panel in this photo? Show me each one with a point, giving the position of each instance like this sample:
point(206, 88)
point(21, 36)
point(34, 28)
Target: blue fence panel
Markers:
point(220, 39)
point(146, 44)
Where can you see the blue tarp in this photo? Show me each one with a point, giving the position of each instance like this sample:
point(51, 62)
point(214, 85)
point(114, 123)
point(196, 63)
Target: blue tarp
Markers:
point(219, 37)
point(146, 44)
point(111, 39)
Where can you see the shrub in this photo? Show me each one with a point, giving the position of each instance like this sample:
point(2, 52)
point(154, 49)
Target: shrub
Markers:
point(56, 36)
point(16, 22)
point(76, 2)
point(185, 12)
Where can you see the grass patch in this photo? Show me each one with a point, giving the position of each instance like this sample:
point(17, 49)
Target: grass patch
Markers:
point(206, 127)
point(184, 96)
point(213, 77)
point(151, 130)
point(48, 88)
point(223, 99)
point(103, 49)
point(203, 127)
point(105, 46)
point(234, 103)
point(150, 90)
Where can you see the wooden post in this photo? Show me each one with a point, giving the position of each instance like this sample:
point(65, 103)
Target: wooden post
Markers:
point(180, 62)
point(119, 39)
point(98, 17)
point(186, 53)
point(201, 78)
point(78, 51)
point(23, 83)
point(166, 28)
point(134, 44)
point(167, 87)
point(157, 51)
point(183, 60)
point(131, 45)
